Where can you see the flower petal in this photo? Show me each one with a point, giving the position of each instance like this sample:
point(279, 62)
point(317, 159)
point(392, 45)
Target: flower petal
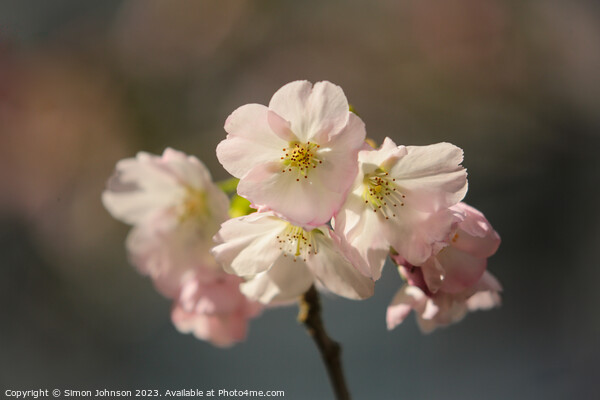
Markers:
point(140, 188)
point(220, 330)
point(304, 202)
point(475, 235)
point(431, 176)
point(434, 274)
point(281, 127)
point(248, 245)
point(416, 236)
point(340, 164)
point(488, 282)
point(407, 298)
point(149, 187)
point(286, 281)
point(462, 269)
point(250, 140)
point(385, 156)
point(170, 257)
point(318, 112)
point(335, 272)
point(367, 247)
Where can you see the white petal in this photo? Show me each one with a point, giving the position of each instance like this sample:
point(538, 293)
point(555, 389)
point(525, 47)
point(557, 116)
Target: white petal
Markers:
point(192, 173)
point(484, 300)
point(335, 272)
point(250, 140)
point(361, 228)
point(430, 311)
point(317, 112)
point(281, 127)
point(140, 188)
point(303, 202)
point(135, 207)
point(431, 176)
point(386, 156)
point(149, 186)
point(188, 170)
point(286, 281)
point(248, 245)
point(340, 164)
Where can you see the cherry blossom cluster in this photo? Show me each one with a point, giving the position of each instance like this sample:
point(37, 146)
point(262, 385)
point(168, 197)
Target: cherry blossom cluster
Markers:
point(330, 209)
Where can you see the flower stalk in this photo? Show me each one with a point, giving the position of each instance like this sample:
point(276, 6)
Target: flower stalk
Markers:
point(309, 314)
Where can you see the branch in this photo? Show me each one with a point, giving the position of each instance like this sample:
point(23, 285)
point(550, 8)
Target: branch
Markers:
point(310, 315)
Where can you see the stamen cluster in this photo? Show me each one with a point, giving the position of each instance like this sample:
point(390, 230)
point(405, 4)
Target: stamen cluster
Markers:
point(297, 242)
point(381, 193)
point(301, 158)
point(194, 205)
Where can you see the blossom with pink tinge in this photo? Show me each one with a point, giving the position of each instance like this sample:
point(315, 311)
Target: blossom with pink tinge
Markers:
point(298, 156)
point(438, 309)
point(175, 209)
point(462, 263)
point(214, 310)
point(401, 198)
point(453, 281)
point(281, 261)
point(171, 257)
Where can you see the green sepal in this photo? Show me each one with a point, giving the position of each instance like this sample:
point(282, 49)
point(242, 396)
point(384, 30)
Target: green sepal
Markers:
point(229, 186)
point(239, 207)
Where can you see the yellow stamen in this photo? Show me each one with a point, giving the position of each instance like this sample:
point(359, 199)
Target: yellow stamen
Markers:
point(300, 158)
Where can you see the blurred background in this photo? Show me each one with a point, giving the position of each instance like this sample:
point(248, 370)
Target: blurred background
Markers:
point(516, 84)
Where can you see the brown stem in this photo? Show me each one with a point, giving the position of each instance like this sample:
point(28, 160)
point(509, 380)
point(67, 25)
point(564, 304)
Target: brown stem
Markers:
point(310, 315)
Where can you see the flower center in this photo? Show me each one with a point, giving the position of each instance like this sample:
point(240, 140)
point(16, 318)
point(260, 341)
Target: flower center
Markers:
point(297, 242)
point(194, 205)
point(382, 194)
point(300, 158)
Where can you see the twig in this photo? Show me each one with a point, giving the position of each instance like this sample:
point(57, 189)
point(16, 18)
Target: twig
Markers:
point(310, 315)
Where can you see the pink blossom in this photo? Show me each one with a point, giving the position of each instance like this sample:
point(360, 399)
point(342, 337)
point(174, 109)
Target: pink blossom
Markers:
point(462, 263)
point(298, 155)
point(175, 209)
point(400, 198)
point(164, 190)
point(281, 261)
point(214, 310)
point(441, 308)
point(454, 280)
point(171, 257)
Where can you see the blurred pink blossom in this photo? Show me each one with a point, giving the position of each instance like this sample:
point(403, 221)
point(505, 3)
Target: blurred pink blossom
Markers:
point(175, 209)
point(215, 310)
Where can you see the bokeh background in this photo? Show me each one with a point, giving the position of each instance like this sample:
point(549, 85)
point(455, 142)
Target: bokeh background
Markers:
point(516, 84)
